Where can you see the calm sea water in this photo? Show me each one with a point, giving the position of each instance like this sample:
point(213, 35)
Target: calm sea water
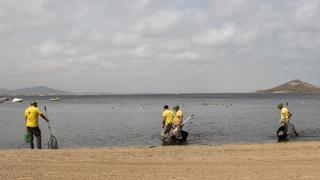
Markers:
point(135, 120)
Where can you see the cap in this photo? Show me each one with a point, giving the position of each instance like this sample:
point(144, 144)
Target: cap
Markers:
point(34, 103)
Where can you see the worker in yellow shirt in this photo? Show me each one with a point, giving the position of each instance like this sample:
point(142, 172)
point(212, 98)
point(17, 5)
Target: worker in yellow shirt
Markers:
point(31, 116)
point(285, 116)
point(177, 121)
point(167, 117)
point(178, 116)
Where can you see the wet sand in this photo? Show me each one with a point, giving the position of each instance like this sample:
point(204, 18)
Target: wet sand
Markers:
point(299, 160)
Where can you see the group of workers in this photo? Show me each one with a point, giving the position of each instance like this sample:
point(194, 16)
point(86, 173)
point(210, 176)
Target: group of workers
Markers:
point(170, 120)
point(173, 120)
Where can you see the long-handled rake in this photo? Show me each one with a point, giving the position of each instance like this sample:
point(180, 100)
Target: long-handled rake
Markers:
point(52, 142)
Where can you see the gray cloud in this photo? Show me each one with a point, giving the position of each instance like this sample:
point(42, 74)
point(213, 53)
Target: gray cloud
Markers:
point(158, 46)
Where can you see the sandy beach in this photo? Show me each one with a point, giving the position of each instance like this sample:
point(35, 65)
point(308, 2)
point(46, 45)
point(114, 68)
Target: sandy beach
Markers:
point(299, 160)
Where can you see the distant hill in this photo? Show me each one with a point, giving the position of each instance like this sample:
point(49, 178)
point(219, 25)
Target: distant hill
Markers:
point(294, 86)
point(36, 90)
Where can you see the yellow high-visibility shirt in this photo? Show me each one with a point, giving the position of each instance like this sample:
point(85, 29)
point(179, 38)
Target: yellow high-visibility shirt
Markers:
point(177, 117)
point(168, 115)
point(31, 114)
point(284, 113)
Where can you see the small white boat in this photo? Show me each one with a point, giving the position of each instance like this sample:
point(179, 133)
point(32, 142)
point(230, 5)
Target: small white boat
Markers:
point(17, 100)
point(55, 99)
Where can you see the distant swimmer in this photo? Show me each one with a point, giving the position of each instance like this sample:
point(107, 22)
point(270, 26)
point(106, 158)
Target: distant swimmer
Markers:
point(31, 116)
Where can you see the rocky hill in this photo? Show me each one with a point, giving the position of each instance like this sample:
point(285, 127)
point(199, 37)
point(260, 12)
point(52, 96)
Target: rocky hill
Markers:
point(37, 90)
point(295, 86)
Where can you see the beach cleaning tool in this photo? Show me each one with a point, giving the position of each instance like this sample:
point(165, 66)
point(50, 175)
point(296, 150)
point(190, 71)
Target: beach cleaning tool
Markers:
point(52, 142)
point(185, 121)
point(166, 137)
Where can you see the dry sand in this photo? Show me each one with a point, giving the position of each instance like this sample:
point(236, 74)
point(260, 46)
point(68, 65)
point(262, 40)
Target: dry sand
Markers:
point(257, 161)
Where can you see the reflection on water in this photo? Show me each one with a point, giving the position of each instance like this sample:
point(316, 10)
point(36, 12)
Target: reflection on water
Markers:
point(135, 120)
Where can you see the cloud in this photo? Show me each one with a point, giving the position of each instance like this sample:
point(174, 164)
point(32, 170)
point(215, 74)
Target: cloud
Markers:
point(175, 44)
point(53, 48)
point(306, 10)
point(141, 3)
point(182, 57)
point(160, 22)
point(74, 43)
point(142, 51)
point(125, 39)
point(215, 36)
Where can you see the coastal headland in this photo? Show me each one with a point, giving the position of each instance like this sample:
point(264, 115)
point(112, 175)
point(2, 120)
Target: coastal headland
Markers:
point(292, 160)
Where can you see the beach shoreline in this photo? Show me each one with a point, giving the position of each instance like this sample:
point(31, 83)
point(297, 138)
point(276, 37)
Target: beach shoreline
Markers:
point(294, 160)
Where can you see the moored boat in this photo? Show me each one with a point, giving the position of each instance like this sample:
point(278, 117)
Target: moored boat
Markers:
point(17, 100)
point(55, 99)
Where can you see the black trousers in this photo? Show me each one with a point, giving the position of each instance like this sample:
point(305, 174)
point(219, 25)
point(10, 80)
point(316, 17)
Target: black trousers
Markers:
point(34, 131)
point(167, 129)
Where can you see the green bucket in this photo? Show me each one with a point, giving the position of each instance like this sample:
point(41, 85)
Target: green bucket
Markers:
point(26, 137)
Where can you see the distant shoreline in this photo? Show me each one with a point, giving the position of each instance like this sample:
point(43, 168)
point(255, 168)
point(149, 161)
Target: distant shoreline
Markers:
point(151, 95)
point(142, 94)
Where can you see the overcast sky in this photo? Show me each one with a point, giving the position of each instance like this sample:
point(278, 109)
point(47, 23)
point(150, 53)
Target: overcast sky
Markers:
point(158, 46)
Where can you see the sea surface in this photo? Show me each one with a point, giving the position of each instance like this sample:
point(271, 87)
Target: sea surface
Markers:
point(135, 120)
